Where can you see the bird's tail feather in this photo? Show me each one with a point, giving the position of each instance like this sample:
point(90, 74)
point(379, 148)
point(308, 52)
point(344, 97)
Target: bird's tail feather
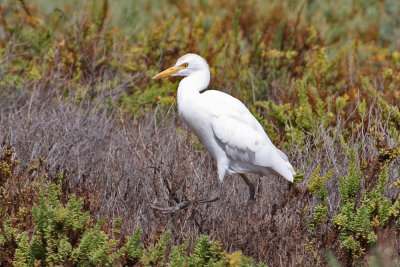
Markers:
point(286, 170)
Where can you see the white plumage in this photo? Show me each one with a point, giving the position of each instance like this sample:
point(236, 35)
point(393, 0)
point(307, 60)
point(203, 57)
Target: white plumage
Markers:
point(230, 133)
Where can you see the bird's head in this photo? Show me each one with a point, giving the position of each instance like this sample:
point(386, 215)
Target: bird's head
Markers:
point(185, 66)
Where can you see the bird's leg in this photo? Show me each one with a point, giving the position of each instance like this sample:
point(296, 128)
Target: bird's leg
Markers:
point(186, 203)
point(250, 185)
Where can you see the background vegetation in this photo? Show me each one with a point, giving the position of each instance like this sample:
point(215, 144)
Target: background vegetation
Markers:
point(89, 141)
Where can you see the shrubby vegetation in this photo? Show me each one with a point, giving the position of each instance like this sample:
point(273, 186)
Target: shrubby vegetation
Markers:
point(64, 234)
point(90, 141)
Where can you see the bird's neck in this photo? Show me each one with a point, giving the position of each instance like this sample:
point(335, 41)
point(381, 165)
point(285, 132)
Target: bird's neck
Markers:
point(193, 84)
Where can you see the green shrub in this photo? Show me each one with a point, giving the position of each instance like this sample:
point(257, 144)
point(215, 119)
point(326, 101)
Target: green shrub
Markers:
point(358, 221)
point(65, 235)
point(316, 186)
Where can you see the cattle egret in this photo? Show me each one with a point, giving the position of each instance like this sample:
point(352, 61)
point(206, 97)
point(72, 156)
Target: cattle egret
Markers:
point(223, 124)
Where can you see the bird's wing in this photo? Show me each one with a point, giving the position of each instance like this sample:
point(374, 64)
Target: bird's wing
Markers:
point(242, 143)
point(235, 134)
point(235, 127)
point(222, 104)
point(243, 136)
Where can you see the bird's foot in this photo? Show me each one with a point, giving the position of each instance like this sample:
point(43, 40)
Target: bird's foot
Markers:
point(184, 204)
point(180, 206)
point(209, 199)
point(252, 200)
point(251, 203)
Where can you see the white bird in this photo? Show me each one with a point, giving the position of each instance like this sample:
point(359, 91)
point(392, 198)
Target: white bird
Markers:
point(223, 124)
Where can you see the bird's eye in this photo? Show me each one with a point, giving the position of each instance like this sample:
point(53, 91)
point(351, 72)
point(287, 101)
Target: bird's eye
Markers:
point(185, 65)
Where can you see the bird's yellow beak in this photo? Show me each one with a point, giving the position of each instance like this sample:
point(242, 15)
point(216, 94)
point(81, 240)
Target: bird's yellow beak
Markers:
point(169, 72)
